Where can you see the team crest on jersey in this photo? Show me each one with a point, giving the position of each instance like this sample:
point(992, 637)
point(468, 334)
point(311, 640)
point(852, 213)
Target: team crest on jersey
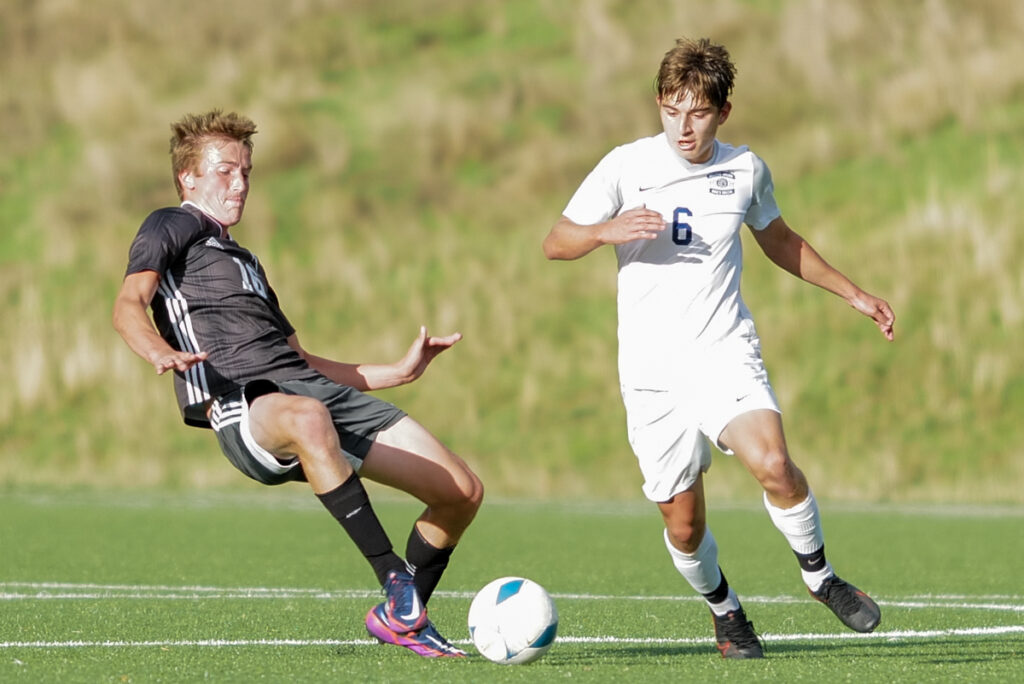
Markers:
point(722, 183)
point(212, 242)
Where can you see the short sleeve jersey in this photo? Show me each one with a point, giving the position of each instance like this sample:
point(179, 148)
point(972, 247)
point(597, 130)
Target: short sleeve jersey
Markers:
point(679, 294)
point(213, 297)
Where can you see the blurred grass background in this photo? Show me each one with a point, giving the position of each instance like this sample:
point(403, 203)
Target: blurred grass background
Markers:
point(411, 157)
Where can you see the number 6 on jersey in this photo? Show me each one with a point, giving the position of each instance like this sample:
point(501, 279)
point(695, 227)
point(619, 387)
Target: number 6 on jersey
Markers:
point(681, 231)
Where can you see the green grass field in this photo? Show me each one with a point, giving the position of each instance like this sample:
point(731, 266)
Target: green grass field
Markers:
point(261, 585)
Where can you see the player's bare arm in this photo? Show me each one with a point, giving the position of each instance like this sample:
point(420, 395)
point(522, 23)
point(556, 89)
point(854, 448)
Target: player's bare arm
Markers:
point(791, 252)
point(133, 323)
point(371, 376)
point(568, 240)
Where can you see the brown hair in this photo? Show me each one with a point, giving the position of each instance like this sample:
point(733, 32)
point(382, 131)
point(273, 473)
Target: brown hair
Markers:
point(193, 131)
point(698, 67)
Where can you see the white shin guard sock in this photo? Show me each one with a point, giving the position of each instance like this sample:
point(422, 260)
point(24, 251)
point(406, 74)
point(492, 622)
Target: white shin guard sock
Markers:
point(801, 526)
point(701, 570)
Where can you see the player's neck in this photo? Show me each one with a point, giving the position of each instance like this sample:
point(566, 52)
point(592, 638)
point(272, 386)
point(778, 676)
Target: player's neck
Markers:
point(223, 229)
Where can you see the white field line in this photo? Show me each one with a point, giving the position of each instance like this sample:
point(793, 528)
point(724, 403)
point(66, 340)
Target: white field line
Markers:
point(895, 635)
point(44, 591)
point(892, 635)
point(63, 591)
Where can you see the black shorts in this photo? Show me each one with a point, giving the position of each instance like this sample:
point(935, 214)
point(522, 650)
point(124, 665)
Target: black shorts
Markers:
point(358, 418)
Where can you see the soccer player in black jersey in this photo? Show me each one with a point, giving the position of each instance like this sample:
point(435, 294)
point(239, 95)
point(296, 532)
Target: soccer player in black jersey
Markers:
point(279, 412)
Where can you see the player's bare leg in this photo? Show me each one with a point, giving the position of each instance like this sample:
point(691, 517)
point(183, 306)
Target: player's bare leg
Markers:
point(291, 426)
point(694, 552)
point(758, 441)
point(685, 517)
point(408, 457)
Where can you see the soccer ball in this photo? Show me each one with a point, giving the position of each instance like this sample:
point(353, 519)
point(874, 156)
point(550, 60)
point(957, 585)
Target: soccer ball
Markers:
point(513, 621)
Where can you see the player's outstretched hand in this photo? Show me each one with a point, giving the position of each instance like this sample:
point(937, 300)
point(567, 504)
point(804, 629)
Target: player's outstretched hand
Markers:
point(423, 350)
point(878, 310)
point(177, 360)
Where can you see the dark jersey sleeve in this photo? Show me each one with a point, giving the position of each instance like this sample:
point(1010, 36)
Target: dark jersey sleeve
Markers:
point(163, 236)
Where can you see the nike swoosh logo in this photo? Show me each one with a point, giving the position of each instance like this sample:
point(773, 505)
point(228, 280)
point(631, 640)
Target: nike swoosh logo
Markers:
point(645, 189)
point(353, 513)
point(415, 613)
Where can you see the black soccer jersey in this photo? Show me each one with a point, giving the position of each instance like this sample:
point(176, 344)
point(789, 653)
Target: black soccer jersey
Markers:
point(213, 297)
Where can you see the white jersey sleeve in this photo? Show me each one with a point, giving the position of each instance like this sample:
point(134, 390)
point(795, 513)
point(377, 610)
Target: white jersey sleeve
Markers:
point(763, 209)
point(599, 197)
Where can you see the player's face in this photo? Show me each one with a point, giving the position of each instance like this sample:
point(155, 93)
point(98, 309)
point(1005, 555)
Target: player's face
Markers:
point(691, 125)
point(220, 182)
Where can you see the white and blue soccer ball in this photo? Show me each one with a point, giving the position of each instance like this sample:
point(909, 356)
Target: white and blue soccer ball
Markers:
point(513, 621)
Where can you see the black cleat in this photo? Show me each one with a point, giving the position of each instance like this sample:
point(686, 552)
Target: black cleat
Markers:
point(735, 636)
point(851, 605)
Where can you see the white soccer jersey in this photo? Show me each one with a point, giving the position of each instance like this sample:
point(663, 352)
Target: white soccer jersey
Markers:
point(679, 294)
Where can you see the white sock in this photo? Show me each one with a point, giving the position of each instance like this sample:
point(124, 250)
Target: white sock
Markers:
point(731, 603)
point(701, 570)
point(814, 579)
point(801, 526)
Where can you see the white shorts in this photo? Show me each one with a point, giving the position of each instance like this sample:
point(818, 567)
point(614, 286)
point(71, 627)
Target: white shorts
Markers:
point(669, 428)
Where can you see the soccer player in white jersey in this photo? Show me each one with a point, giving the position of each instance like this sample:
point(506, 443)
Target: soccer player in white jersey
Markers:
point(690, 366)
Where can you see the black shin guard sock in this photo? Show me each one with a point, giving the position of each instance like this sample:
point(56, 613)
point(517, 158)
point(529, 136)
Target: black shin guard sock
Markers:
point(720, 593)
point(428, 563)
point(811, 562)
point(350, 506)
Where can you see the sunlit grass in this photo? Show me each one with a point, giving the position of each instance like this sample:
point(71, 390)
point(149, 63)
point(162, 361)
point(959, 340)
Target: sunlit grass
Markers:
point(261, 584)
point(409, 161)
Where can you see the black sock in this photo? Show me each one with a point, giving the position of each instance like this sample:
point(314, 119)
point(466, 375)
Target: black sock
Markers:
point(350, 506)
point(720, 593)
point(811, 562)
point(428, 563)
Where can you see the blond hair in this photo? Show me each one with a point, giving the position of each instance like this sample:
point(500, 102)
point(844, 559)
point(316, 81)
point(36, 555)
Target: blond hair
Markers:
point(193, 131)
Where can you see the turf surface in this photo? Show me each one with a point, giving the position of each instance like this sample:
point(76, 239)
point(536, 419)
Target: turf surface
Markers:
point(263, 586)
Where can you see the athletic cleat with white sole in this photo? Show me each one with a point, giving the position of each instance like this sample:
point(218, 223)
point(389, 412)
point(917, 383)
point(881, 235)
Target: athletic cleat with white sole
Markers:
point(403, 607)
point(426, 642)
point(852, 606)
point(735, 636)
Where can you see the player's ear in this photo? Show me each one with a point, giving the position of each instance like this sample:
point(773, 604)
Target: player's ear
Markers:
point(187, 180)
point(723, 113)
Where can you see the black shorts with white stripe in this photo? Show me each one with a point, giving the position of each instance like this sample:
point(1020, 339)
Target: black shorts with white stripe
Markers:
point(357, 417)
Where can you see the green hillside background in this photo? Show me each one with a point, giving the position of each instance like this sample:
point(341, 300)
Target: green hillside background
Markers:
point(412, 156)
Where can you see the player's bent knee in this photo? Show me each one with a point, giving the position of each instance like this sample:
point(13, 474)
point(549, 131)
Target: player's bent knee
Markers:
point(305, 418)
point(464, 500)
point(781, 478)
point(476, 495)
point(774, 466)
point(470, 493)
point(685, 536)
